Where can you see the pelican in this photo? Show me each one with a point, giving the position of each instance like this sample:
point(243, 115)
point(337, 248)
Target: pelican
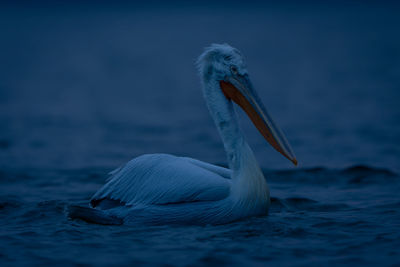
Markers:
point(166, 189)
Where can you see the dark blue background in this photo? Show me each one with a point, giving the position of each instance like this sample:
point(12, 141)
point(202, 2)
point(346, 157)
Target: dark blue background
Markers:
point(85, 88)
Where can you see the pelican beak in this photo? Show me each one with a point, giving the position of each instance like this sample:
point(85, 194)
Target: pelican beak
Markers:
point(240, 90)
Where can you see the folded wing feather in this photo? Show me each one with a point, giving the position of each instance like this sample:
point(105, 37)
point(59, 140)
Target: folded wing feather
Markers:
point(164, 179)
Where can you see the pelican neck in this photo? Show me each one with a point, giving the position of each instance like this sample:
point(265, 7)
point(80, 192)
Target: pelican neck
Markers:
point(226, 121)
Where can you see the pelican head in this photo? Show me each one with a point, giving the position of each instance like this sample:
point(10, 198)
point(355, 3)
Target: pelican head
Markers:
point(226, 80)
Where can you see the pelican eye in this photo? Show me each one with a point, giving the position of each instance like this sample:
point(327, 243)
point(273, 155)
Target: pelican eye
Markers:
point(234, 70)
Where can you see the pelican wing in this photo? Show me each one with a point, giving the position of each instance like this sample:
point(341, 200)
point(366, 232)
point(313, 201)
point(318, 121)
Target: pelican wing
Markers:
point(164, 179)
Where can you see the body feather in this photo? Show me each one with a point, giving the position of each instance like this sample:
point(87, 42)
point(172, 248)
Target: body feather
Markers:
point(162, 179)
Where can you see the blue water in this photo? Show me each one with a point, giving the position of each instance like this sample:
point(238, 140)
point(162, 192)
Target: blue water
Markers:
point(84, 89)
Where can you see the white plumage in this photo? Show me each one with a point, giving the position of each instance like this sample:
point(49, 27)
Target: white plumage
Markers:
point(165, 179)
point(165, 189)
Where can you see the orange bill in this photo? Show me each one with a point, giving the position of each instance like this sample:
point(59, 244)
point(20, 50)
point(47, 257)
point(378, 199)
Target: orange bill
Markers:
point(241, 92)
